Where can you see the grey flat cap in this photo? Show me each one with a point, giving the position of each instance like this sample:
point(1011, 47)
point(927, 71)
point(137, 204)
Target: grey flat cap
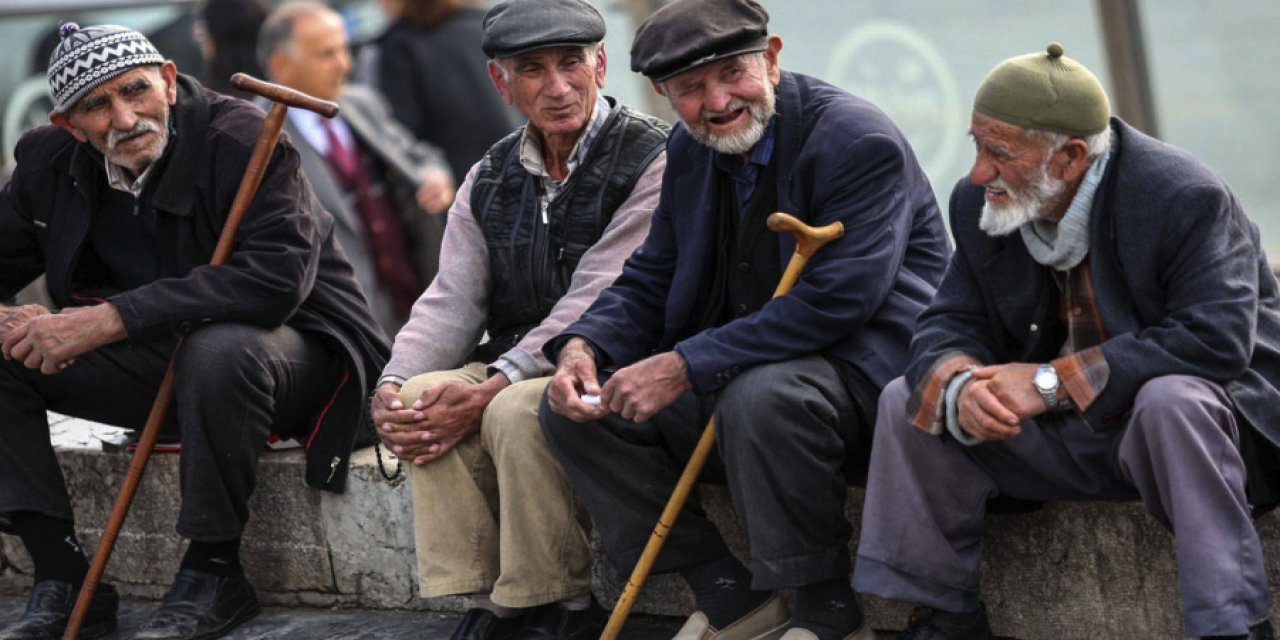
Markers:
point(516, 26)
point(690, 33)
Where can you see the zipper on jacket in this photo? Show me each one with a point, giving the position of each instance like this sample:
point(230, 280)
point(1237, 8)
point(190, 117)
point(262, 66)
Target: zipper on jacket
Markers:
point(333, 469)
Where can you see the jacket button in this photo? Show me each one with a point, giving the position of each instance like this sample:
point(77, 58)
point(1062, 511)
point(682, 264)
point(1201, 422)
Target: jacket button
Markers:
point(1034, 327)
point(741, 309)
point(185, 327)
point(744, 267)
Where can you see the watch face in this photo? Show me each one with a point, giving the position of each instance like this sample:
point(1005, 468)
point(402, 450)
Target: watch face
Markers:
point(1046, 379)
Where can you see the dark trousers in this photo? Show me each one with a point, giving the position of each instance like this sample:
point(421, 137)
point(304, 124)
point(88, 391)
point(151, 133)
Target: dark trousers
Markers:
point(786, 434)
point(235, 385)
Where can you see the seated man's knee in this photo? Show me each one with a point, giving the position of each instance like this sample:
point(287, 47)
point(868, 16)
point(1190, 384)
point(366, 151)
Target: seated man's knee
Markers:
point(753, 397)
point(1169, 405)
point(218, 350)
point(511, 419)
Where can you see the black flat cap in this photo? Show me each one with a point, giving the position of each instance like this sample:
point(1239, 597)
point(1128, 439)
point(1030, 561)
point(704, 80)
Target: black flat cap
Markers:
point(689, 33)
point(516, 26)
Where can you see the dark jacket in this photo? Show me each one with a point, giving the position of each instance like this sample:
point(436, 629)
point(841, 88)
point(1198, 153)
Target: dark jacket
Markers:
point(1181, 281)
point(531, 263)
point(838, 158)
point(284, 269)
point(437, 82)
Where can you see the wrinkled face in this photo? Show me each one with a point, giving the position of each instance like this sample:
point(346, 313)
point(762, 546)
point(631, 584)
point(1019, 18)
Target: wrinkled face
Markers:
point(126, 118)
point(726, 104)
point(1013, 166)
point(555, 88)
point(316, 61)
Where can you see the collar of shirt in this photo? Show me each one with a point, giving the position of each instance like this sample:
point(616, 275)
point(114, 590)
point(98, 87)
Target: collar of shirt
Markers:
point(745, 174)
point(531, 147)
point(310, 126)
point(118, 177)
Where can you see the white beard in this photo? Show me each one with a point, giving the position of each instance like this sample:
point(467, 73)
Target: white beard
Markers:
point(1023, 206)
point(741, 141)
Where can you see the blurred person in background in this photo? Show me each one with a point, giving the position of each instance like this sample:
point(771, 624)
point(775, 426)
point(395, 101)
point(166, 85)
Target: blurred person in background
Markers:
point(433, 72)
point(380, 184)
point(227, 31)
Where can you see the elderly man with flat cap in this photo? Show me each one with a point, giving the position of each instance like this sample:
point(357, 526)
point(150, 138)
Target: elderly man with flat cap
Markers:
point(541, 224)
point(1109, 328)
point(689, 330)
point(119, 204)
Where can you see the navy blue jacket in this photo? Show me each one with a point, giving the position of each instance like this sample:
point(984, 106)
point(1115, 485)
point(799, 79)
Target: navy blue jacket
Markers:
point(838, 158)
point(1182, 286)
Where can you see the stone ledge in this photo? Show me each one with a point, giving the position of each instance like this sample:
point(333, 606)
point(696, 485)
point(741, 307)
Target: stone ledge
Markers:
point(1067, 571)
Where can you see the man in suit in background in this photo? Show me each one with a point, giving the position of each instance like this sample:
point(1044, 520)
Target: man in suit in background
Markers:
point(383, 187)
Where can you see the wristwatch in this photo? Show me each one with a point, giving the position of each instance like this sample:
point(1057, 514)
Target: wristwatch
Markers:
point(1047, 383)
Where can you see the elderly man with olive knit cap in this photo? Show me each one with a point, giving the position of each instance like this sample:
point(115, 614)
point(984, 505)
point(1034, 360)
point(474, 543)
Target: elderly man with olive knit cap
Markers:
point(1108, 329)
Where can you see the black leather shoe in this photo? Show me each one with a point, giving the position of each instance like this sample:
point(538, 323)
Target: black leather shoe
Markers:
point(931, 624)
point(49, 610)
point(1260, 631)
point(482, 624)
point(200, 606)
point(555, 622)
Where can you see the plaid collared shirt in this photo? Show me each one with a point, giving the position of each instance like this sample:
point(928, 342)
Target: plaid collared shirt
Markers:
point(1081, 367)
point(531, 149)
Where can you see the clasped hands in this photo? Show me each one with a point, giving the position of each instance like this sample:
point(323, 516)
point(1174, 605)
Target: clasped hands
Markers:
point(444, 415)
point(636, 392)
point(997, 399)
point(50, 342)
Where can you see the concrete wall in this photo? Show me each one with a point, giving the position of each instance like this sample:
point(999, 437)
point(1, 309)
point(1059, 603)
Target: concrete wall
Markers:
point(1067, 571)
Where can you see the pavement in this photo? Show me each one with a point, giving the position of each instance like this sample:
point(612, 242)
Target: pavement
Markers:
point(344, 624)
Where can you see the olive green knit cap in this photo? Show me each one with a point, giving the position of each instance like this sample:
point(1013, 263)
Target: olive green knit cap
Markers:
point(1047, 91)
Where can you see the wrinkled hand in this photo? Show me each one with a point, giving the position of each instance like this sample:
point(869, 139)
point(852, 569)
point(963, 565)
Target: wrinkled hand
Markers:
point(997, 399)
point(643, 389)
point(575, 376)
point(437, 191)
point(50, 342)
point(390, 416)
point(14, 317)
point(446, 414)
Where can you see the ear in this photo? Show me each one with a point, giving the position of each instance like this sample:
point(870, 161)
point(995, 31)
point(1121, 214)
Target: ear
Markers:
point(602, 63)
point(169, 72)
point(1071, 161)
point(657, 87)
point(495, 76)
point(63, 121)
point(771, 59)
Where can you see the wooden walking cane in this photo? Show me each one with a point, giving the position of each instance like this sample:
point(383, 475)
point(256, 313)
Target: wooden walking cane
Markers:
point(282, 98)
point(808, 240)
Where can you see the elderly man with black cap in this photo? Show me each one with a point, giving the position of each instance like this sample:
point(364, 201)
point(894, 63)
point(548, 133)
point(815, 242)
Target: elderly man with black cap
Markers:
point(119, 204)
point(1109, 328)
point(689, 331)
point(541, 224)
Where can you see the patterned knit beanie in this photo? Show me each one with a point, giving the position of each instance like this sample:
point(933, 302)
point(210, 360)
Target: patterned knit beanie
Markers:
point(91, 56)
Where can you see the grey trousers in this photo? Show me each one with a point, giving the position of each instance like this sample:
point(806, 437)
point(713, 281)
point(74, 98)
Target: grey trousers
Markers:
point(923, 520)
point(785, 433)
point(234, 385)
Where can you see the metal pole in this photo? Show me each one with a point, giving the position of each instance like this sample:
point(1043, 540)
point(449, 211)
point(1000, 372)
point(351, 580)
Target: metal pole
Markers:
point(1121, 23)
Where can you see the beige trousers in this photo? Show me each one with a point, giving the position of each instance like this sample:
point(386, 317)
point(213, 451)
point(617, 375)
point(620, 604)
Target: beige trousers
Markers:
point(496, 513)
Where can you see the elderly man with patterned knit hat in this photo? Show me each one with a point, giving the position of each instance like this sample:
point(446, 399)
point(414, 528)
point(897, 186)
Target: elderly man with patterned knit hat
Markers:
point(1108, 328)
point(119, 204)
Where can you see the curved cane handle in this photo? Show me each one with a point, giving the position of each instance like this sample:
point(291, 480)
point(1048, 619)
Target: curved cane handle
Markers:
point(283, 95)
point(808, 239)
